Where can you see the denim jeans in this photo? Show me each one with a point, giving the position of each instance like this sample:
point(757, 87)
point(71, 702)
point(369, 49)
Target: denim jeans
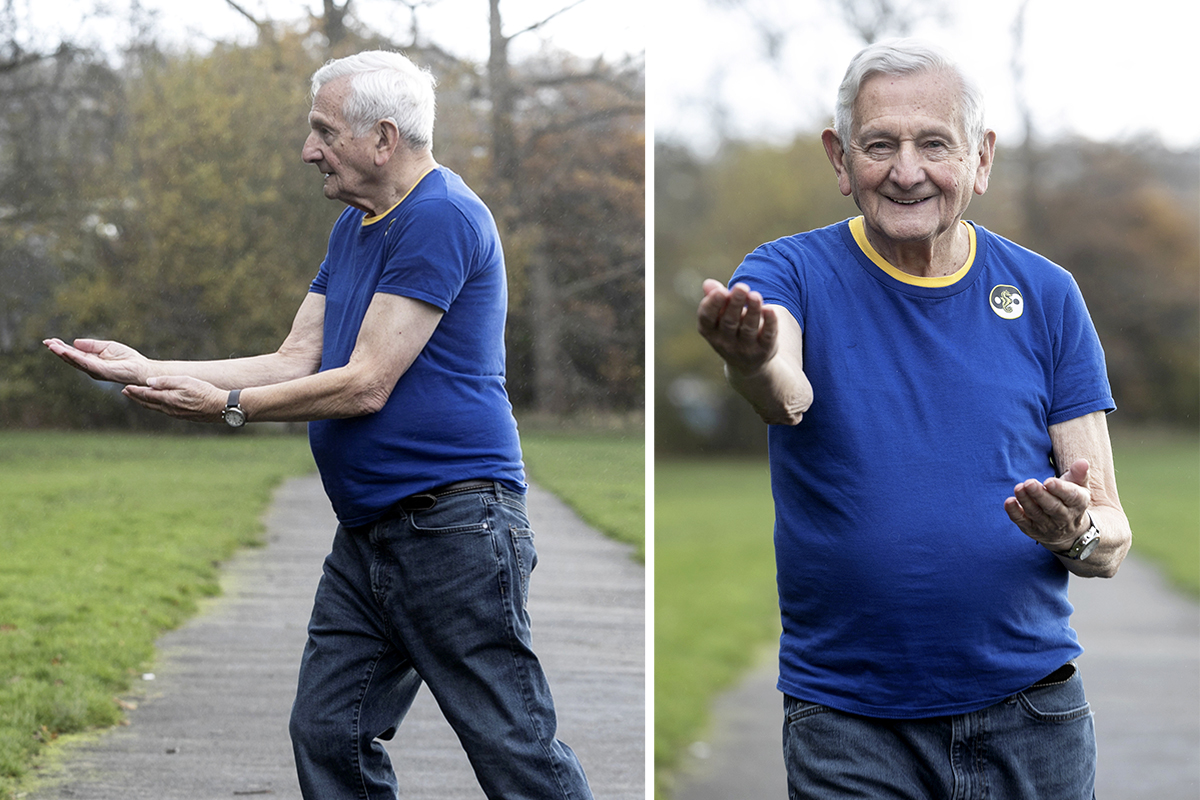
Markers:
point(434, 596)
point(1039, 744)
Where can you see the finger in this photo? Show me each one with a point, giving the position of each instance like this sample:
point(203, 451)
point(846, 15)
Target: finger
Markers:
point(731, 315)
point(752, 317)
point(1012, 507)
point(770, 328)
point(94, 346)
point(1036, 503)
point(713, 304)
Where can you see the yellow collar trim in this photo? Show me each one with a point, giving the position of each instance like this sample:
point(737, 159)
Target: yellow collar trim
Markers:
point(377, 217)
point(859, 230)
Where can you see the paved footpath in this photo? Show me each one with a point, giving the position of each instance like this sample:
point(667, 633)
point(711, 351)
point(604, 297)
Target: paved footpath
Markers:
point(1141, 669)
point(212, 724)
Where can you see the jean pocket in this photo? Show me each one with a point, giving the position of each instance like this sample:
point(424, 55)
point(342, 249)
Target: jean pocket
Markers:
point(795, 710)
point(1056, 701)
point(460, 513)
point(525, 554)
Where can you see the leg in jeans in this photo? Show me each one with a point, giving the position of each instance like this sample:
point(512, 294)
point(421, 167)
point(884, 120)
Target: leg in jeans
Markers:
point(1036, 745)
point(451, 582)
point(355, 685)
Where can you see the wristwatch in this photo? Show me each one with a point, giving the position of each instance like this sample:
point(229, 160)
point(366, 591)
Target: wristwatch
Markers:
point(234, 415)
point(1084, 545)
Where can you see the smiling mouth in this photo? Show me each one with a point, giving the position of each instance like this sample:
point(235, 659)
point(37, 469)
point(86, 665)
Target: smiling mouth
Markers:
point(908, 202)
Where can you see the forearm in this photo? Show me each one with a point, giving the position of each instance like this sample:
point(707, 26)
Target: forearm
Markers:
point(239, 373)
point(335, 394)
point(779, 392)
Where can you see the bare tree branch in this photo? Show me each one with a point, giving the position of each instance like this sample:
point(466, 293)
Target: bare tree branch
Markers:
point(537, 25)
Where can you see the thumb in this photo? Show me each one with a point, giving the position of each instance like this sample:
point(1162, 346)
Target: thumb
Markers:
point(1078, 472)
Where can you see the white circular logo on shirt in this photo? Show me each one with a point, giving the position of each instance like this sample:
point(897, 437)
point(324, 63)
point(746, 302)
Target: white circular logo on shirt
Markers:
point(1007, 302)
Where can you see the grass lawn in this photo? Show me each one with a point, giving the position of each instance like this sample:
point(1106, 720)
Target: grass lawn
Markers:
point(715, 602)
point(600, 475)
point(106, 541)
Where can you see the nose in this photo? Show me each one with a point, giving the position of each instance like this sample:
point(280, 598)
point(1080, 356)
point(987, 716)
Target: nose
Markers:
point(908, 169)
point(310, 153)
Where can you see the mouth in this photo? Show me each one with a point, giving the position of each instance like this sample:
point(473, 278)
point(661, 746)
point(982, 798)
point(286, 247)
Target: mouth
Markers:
point(914, 202)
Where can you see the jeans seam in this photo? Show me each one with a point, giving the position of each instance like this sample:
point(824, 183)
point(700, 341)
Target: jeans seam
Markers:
point(510, 627)
point(357, 726)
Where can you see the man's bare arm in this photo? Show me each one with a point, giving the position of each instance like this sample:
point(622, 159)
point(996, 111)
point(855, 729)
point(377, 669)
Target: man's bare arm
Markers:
point(762, 346)
point(392, 335)
point(1059, 510)
point(299, 355)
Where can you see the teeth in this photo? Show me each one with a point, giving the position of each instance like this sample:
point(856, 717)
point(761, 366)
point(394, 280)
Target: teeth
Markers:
point(907, 202)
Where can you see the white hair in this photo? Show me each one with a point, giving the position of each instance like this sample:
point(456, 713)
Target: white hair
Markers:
point(384, 86)
point(906, 57)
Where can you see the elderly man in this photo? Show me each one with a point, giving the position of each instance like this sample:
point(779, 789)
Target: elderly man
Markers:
point(396, 356)
point(914, 369)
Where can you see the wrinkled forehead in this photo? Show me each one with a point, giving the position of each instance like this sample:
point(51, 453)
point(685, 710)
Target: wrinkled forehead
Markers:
point(935, 96)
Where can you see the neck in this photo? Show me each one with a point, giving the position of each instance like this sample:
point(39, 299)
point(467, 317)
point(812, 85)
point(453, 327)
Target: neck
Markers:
point(927, 258)
point(406, 170)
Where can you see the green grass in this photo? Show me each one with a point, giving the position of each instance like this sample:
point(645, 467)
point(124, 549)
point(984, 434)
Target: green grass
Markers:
point(715, 602)
point(1158, 477)
point(106, 541)
point(600, 475)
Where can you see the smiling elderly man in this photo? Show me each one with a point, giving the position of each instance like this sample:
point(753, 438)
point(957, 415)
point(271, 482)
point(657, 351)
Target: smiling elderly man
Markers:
point(396, 357)
point(940, 462)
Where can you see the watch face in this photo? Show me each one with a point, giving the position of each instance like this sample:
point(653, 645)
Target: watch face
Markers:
point(235, 417)
point(1088, 548)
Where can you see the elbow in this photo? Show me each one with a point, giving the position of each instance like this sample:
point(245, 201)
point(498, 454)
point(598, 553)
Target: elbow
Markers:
point(371, 400)
point(790, 412)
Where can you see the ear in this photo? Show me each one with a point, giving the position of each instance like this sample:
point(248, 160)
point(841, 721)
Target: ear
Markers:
point(837, 157)
point(987, 154)
point(387, 139)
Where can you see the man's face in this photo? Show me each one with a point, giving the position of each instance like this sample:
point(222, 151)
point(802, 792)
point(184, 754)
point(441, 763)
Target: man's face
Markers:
point(909, 165)
point(347, 162)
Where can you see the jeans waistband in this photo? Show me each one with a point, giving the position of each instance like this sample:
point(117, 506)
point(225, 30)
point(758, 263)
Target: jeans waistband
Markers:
point(423, 501)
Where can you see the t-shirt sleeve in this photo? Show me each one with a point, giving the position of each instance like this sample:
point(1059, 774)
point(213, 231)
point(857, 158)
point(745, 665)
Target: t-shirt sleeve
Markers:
point(768, 272)
point(430, 254)
point(1080, 375)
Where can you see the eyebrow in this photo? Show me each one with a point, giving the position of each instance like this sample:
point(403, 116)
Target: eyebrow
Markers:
point(945, 132)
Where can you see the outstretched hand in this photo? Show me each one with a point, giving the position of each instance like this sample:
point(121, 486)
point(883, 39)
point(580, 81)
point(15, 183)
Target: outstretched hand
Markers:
point(738, 325)
point(103, 360)
point(1053, 512)
point(180, 396)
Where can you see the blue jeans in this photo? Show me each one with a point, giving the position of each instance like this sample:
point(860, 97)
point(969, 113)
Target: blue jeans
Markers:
point(1039, 744)
point(435, 595)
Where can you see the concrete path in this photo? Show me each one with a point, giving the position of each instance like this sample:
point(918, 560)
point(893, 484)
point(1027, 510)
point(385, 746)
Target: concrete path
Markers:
point(1141, 670)
point(212, 724)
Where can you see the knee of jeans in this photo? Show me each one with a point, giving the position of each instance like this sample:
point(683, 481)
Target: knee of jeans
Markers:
point(312, 731)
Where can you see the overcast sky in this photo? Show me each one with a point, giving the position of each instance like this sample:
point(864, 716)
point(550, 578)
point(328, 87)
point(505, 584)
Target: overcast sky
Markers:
point(1104, 69)
point(593, 27)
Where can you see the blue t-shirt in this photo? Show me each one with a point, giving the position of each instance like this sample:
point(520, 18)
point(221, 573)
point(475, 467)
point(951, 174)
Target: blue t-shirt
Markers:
point(905, 591)
point(448, 418)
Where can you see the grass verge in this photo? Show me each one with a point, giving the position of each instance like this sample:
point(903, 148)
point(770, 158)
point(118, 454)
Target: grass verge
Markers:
point(715, 601)
point(106, 541)
point(601, 475)
point(1158, 477)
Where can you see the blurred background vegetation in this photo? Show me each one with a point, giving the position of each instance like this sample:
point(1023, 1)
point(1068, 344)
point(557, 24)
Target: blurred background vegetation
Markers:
point(155, 194)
